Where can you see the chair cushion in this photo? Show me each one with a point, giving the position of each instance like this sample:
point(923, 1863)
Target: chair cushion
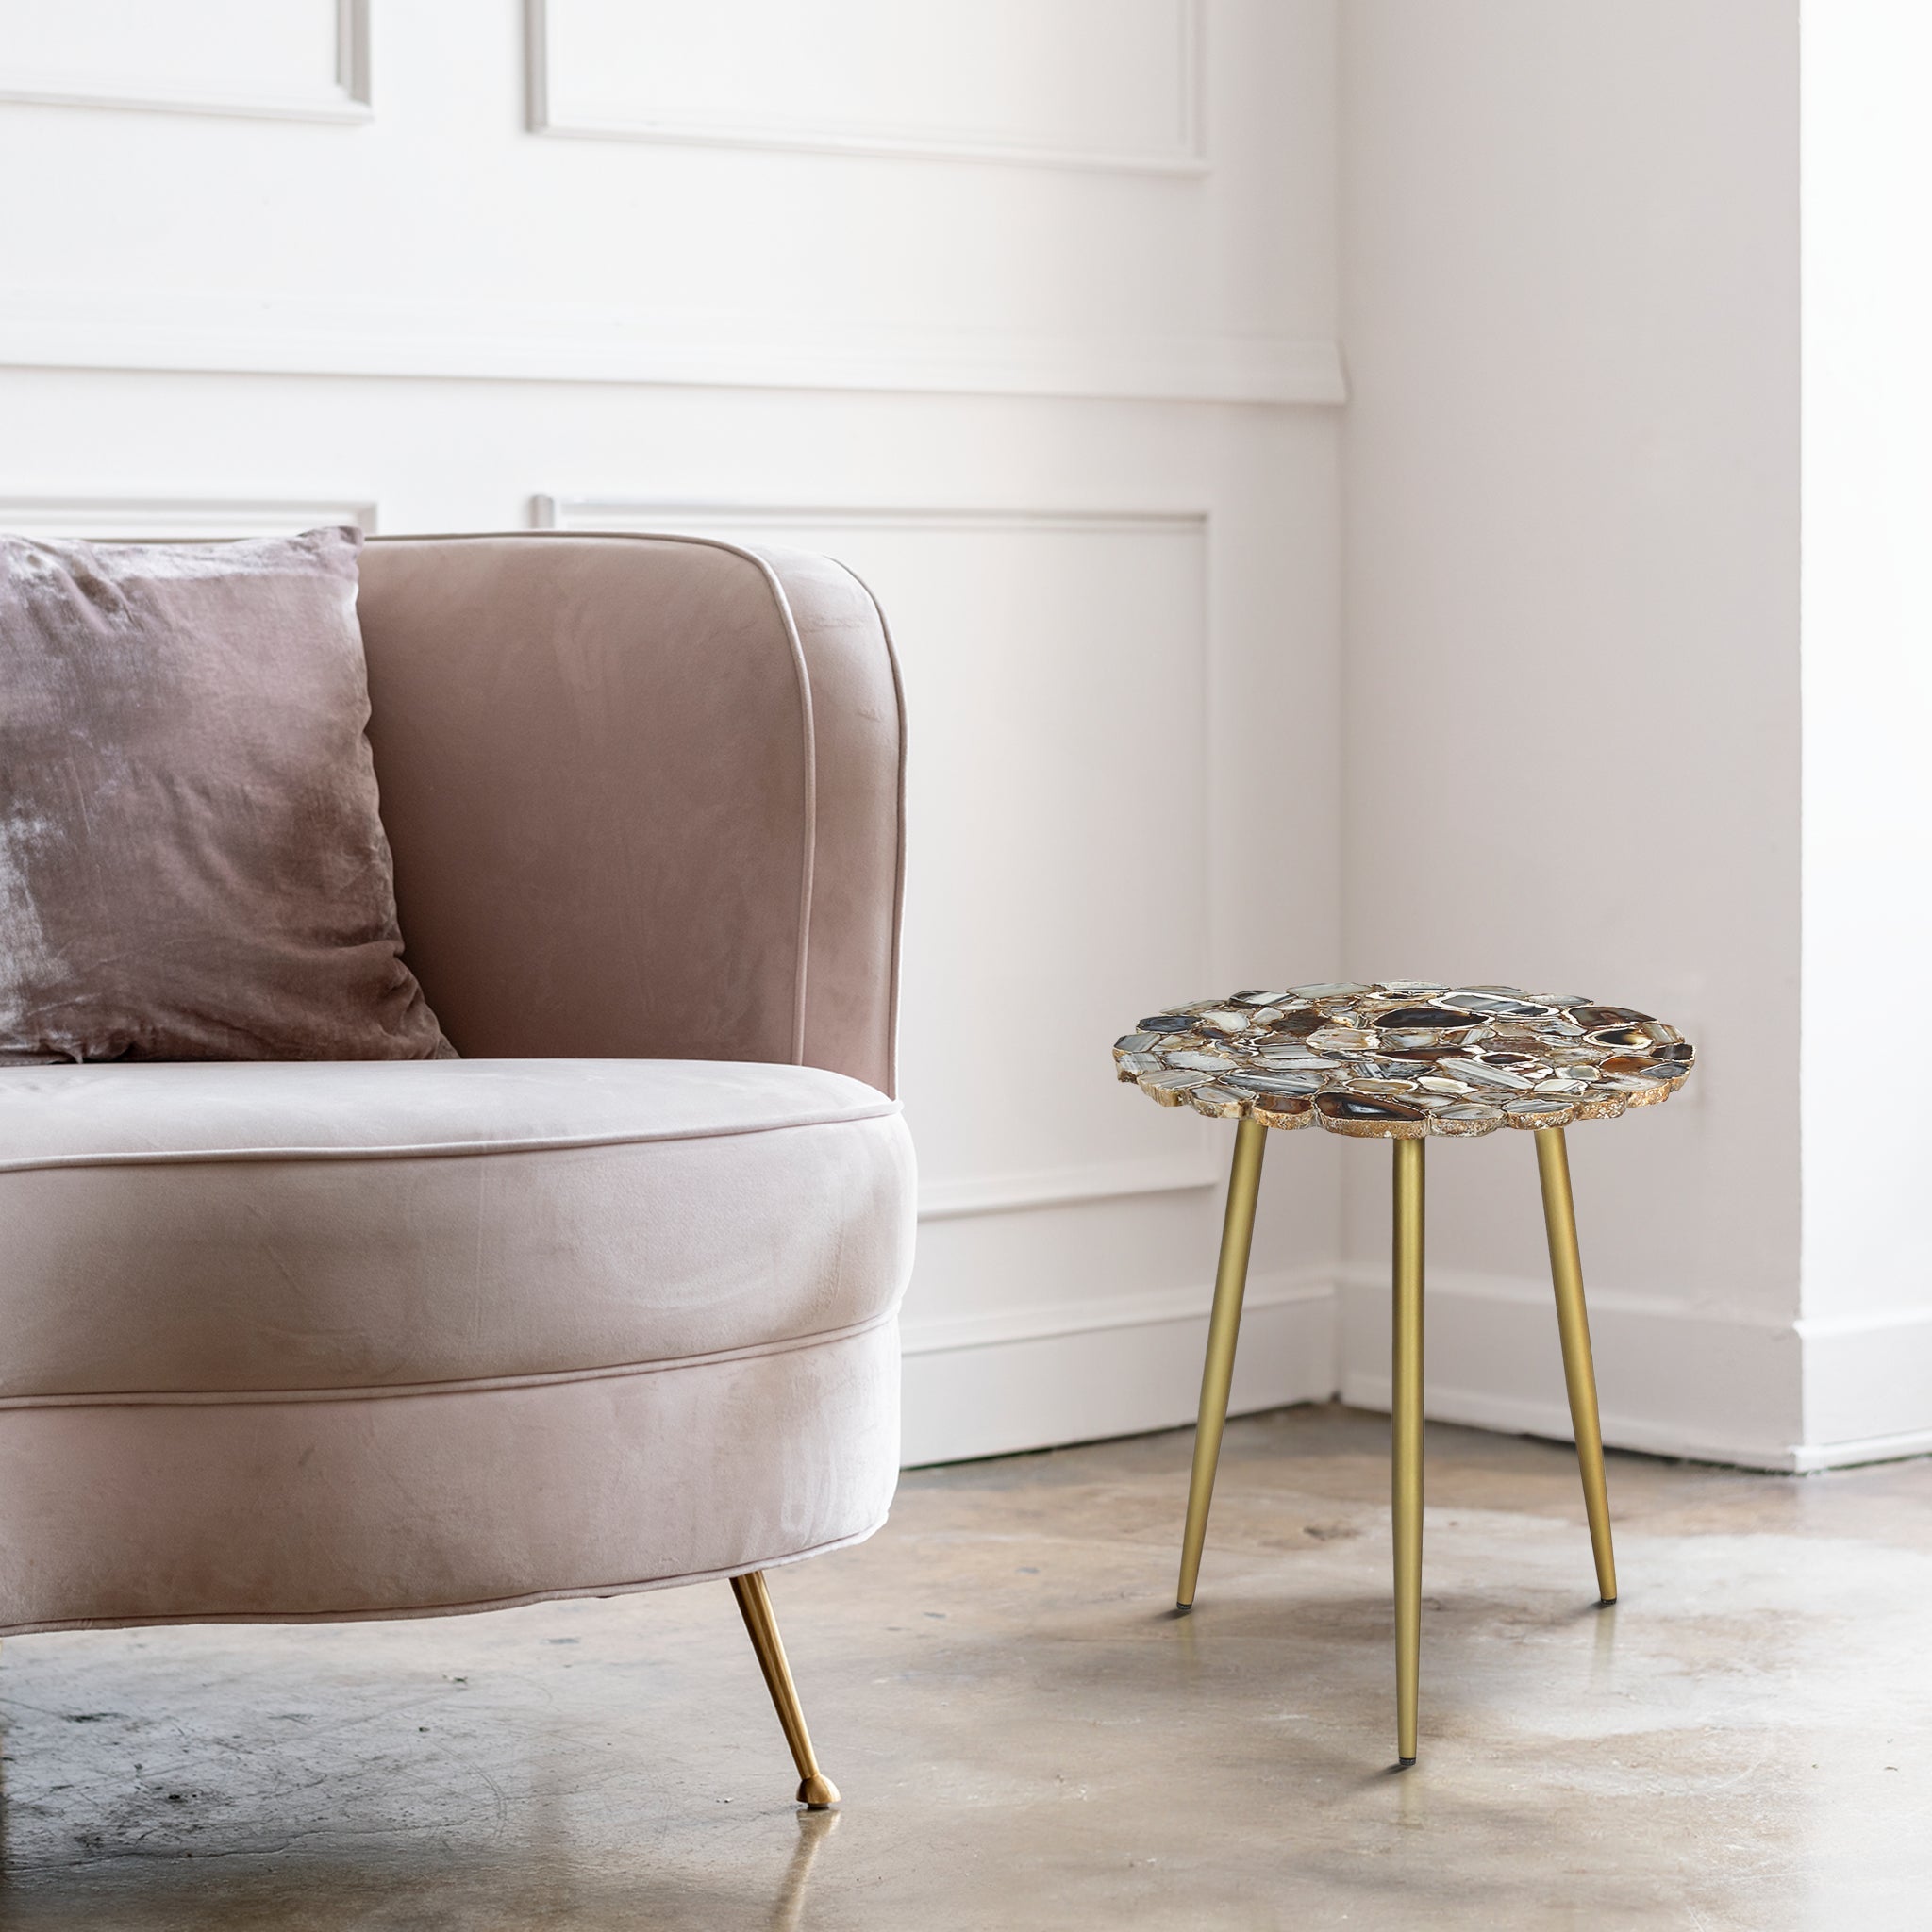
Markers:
point(222, 1228)
point(192, 867)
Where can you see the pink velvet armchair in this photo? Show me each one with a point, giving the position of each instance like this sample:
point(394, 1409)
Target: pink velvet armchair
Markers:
point(609, 1302)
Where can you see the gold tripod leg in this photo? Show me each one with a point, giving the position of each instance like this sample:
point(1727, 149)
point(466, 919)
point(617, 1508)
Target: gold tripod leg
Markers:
point(816, 1791)
point(1405, 1420)
point(1223, 1327)
point(1572, 1323)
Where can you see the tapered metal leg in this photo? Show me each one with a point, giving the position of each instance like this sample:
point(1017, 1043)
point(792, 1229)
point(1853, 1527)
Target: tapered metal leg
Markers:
point(1406, 1416)
point(1223, 1328)
point(1579, 1372)
point(816, 1791)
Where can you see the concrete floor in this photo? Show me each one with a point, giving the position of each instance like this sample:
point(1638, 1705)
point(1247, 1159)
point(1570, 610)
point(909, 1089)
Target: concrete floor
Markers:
point(1029, 1738)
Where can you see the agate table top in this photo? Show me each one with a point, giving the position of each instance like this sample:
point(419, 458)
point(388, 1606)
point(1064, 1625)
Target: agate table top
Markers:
point(1399, 1058)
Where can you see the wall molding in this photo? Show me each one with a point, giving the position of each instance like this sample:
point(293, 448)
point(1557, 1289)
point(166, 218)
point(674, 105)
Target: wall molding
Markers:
point(1188, 156)
point(557, 512)
point(940, 1334)
point(244, 335)
point(347, 98)
point(1034, 1378)
point(138, 517)
point(1065, 1186)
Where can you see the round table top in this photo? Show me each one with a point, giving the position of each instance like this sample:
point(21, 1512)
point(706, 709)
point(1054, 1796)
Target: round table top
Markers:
point(1404, 1058)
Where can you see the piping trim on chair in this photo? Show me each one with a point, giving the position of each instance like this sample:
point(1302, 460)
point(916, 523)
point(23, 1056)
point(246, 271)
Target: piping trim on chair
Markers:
point(223, 1398)
point(453, 1610)
point(440, 1150)
point(899, 842)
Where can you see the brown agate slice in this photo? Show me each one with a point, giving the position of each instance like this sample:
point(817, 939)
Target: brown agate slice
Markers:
point(1171, 1089)
point(1600, 1104)
point(1591, 1018)
point(1223, 1101)
point(1300, 1024)
point(1640, 1036)
point(1344, 1112)
point(1431, 1022)
point(1408, 1039)
point(1540, 1110)
point(1283, 1109)
point(1640, 1063)
point(1341, 1039)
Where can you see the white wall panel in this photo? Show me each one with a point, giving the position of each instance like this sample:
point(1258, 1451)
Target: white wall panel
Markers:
point(1089, 83)
point(301, 59)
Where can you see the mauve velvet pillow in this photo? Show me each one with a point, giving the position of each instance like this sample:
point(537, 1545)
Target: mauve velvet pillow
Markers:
point(192, 867)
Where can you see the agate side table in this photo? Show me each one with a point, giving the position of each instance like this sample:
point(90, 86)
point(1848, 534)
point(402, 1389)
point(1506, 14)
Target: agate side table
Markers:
point(1399, 1061)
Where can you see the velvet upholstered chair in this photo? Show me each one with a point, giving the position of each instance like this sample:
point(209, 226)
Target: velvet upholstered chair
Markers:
point(607, 1304)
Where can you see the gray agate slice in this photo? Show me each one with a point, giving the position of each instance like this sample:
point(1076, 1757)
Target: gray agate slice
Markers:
point(1493, 1005)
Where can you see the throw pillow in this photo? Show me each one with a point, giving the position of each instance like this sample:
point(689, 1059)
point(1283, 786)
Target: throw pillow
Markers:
point(192, 865)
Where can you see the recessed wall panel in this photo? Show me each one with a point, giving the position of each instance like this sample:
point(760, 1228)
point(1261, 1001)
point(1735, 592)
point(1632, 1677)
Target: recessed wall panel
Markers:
point(303, 58)
point(151, 518)
point(1095, 83)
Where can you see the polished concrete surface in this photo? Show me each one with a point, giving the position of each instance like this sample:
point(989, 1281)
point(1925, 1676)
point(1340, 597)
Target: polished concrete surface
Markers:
point(1027, 1737)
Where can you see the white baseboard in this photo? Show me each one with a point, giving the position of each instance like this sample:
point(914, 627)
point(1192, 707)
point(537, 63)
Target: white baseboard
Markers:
point(1670, 1381)
point(1809, 1458)
point(1868, 1388)
point(1792, 1397)
point(994, 1384)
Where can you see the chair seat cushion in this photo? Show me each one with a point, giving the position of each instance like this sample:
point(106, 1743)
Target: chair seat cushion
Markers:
point(222, 1229)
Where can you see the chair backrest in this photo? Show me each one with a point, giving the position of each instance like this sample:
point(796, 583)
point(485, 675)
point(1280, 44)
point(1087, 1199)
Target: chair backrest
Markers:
point(645, 795)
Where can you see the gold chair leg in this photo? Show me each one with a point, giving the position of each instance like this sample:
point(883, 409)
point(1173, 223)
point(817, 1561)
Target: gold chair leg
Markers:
point(1579, 1372)
point(816, 1791)
point(1406, 1421)
point(1223, 1328)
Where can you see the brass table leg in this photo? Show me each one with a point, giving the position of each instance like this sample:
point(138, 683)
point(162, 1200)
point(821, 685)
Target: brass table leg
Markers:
point(1572, 1323)
point(816, 1791)
point(1405, 1419)
point(1223, 1327)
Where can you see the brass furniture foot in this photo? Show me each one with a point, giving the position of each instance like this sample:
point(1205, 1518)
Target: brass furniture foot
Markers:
point(816, 1791)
